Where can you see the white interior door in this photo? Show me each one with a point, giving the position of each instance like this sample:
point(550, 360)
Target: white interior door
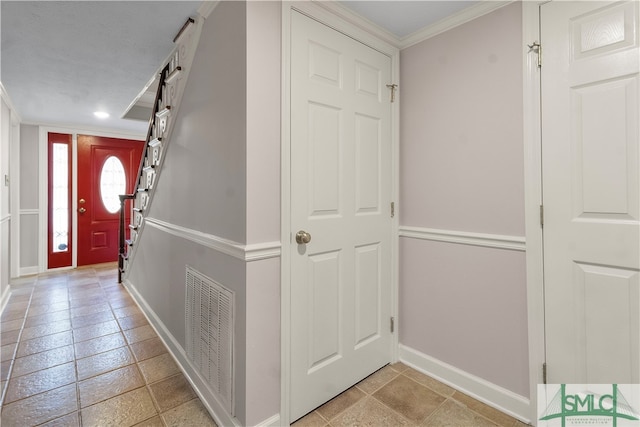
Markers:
point(340, 195)
point(591, 190)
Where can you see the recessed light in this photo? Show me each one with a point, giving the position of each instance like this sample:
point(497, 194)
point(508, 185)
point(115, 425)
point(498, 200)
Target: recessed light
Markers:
point(101, 114)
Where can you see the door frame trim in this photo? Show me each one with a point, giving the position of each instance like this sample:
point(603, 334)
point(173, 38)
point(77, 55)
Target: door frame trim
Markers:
point(43, 185)
point(533, 199)
point(338, 23)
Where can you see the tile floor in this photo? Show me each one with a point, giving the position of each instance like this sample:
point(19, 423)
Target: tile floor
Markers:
point(398, 395)
point(77, 351)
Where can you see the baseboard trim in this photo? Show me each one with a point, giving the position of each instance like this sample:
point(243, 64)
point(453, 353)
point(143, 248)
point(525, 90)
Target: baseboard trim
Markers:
point(247, 253)
point(28, 271)
point(496, 241)
point(273, 421)
point(4, 300)
point(208, 398)
point(493, 395)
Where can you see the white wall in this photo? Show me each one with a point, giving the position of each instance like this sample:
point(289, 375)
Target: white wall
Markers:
point(263, 208)
point(5, 208)
point(462, 171)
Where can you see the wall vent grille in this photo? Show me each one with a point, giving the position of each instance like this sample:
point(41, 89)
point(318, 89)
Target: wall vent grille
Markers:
point(209, 333)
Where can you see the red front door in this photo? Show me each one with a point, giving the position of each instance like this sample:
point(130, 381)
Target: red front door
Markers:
point(106, 167)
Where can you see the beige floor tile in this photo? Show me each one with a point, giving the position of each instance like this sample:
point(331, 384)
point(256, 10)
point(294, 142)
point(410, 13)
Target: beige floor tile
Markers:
point(192, 413)
point(140, 333)
point(36, 310)
point(376, 380)
point(70, 420)
point(9, 337)
point(453, 414)
point(9, 315)
point(341, 402)
point(172, 392)
point(121, 302)
point(158, 368)
point(7, 351)
point(312, 419)
point(40, 381)
point(104, 362)
point(45, 329)
point(4, 370)
point(47, 318)
point(83, 281)
point(486, 411)
point(147, 349)
point(89, 310)
point(399, 366)
point(48, 342)
point(126, 311)
point(41, 408)
point(81, 301)
point(95, 331)
point(11, 325)
point(99, 345)
point(414, 401)
point(92, 319)
point(131, 322)
point(152, 422)
point(127, 409)
point(60, 296)
point(369, 413)
point(46, 359)
point(426, 380)
point(106, 386)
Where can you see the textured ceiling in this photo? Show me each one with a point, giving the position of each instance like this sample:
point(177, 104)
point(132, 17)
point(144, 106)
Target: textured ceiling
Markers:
point(402, 18)
point(63, 60)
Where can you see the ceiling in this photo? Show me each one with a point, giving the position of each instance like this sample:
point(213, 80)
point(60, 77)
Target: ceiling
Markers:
point(63, 60)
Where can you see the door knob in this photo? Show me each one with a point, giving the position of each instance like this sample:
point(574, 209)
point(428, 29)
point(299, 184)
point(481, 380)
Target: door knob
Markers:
point(81, 201)
point(302, 237)
point(82, 210)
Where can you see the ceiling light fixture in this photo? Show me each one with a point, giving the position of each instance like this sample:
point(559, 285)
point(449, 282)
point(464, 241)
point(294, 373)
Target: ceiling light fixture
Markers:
point(101, 114)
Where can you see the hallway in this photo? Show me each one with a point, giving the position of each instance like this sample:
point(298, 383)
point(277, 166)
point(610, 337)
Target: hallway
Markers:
point(76, 350)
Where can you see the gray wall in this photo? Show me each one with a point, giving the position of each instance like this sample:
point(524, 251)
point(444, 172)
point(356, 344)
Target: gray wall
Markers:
point(29, 198)
point(221, 177)
point(462, 171)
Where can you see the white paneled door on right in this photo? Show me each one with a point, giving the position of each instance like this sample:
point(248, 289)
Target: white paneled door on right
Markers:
point(340, 195)
point(591, 190)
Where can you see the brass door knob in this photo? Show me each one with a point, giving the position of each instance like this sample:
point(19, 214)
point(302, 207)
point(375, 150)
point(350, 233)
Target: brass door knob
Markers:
point(82, 210)
point(302, 237)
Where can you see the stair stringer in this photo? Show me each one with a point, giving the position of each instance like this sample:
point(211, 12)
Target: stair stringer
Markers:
point(182, 56)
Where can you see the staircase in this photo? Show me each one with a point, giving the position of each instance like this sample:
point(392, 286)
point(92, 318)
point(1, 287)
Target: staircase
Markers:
point(172, 79)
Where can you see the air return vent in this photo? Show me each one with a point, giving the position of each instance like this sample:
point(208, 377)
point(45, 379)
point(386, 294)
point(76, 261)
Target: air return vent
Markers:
point(209, 333)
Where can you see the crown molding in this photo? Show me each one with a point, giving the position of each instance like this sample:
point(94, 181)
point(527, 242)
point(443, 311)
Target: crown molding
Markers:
point(462, 17)
point(7, 99)
point(359, 21)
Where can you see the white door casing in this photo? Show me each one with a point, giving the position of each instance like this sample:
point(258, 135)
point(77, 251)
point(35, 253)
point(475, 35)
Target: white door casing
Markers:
point(591, 191)
point(341, 190)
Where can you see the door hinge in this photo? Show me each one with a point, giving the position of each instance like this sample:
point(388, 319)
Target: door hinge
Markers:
point(393, 88)
point(392, 324)
point(542, 216)
point(537, 49)
point(393, 209)
point(544, 373)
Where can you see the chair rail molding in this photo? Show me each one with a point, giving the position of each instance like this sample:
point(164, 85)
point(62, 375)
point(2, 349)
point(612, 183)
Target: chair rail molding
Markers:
point(247, 253)
point(496, 241)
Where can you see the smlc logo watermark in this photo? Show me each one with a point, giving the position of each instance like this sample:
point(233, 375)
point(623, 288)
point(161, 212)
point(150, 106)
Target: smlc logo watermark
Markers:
point(564, 405)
